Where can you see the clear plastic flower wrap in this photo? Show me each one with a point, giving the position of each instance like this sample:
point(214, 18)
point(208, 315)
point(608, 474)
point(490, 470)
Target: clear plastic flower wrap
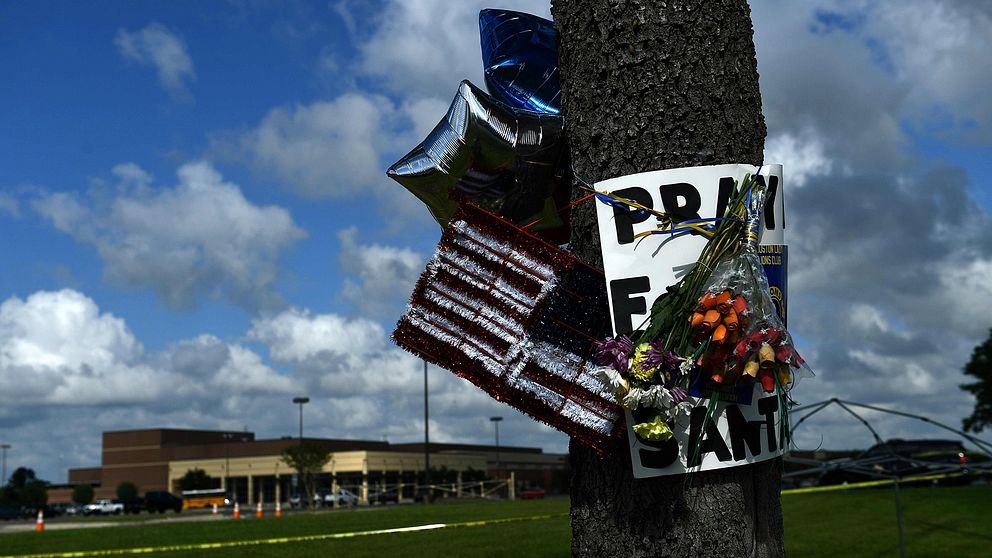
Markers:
point(735, 327)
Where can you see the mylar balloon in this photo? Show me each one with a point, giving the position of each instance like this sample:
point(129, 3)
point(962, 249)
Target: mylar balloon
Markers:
point(512, 162)
point(520, 58)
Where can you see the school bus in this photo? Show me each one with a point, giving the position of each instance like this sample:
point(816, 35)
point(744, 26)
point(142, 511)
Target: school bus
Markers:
point(205, 498)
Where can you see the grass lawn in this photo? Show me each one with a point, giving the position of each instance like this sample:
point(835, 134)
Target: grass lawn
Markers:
point(939, 521)
point(537, 538)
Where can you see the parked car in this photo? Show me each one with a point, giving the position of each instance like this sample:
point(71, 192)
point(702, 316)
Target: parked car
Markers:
point(8, 513)
point(103, 507)
point(133, 505)
point(385, 497)
point(302, 500)
point(61, 508)
point(532, 494)
point(161, 501)
point(899, 458)
point(341, 497)
point(31, 512)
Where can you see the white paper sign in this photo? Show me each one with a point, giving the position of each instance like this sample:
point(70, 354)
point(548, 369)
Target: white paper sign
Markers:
point(639, 270)
point(737, 435)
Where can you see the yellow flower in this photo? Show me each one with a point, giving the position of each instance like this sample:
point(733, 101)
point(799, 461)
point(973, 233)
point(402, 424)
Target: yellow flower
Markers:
point(623, 389)
point(655, 431)
point(635, 364)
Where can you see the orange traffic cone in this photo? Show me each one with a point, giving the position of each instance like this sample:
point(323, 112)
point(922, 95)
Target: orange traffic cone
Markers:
point(215, 509)
point(39, 525)
point(237, 512)
point(278, 509)
point(258, 510)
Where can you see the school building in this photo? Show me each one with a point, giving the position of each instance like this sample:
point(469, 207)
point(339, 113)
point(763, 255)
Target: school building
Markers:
point(251, 469)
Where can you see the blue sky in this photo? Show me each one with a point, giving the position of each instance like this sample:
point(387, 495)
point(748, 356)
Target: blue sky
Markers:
point(197, 225)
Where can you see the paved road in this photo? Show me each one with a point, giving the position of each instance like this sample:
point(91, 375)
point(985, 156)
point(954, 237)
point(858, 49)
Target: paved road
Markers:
point(60, 524)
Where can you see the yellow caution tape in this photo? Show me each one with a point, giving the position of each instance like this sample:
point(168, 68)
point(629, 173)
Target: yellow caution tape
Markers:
point(281, 540)
point(866, 484)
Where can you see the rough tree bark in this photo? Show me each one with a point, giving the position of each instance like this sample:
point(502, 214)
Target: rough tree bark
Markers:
point(647, 85)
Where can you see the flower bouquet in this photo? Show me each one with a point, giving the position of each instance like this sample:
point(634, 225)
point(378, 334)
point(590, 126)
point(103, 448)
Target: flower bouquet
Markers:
point(715, 328)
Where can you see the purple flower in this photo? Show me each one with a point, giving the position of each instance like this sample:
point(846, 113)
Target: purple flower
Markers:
point(678, 394)
point(614, 352)
point(657, 357)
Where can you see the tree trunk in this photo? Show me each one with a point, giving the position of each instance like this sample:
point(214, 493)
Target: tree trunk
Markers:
point(647, 85)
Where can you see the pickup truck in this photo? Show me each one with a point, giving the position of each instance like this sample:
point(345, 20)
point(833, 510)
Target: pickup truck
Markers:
point(103, 507)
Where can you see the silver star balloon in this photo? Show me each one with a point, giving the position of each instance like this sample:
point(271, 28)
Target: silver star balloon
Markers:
point(512, 162)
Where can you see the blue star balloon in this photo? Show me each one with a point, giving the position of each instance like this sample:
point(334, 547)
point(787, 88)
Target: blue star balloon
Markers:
point(512, 162)
point(520, 59)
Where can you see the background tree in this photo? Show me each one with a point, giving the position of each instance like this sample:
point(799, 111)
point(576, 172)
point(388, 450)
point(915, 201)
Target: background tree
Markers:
point(127, 490)
point(307, 460)
point(82, 494)
point(34, 493)
point(25, 489)
point(648, 85)
point(980, 367)
point(197, 479)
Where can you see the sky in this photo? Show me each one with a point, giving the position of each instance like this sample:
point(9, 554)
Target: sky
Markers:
point(196, 225)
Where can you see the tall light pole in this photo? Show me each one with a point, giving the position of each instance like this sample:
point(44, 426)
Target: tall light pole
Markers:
point(4, 448)
point(301, 401)
point(427, 435)
point(496, 421)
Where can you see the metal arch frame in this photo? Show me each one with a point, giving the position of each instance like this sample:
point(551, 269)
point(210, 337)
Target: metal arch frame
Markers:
point(873, 466)
point(819, 406)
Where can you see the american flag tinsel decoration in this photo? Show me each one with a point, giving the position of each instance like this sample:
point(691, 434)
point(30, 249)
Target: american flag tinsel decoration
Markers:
point(517, 317)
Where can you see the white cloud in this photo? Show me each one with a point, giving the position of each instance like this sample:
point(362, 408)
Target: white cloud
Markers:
point(9, 205)
point(371, 388)
point(328, 148)
point(935, 48)
point(340, 149)
point(58, 348)
point(131, 175)
point(71, 370)
point(200, 237)
point(424, 48)
point(862, 73)
point(156, 46)
point(296, 335)
point(802, 156)
point(386, 275)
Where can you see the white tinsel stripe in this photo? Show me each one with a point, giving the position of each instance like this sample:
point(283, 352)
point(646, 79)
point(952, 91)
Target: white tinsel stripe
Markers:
point(454, 274)
point(581, 415)
point(500, 251)
point(475, 310)
point(456, 261)
point(493, 366)
point(593, 383)
point(566, 366)
point(507, 249)
point(507, 329)
point(547, 396)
